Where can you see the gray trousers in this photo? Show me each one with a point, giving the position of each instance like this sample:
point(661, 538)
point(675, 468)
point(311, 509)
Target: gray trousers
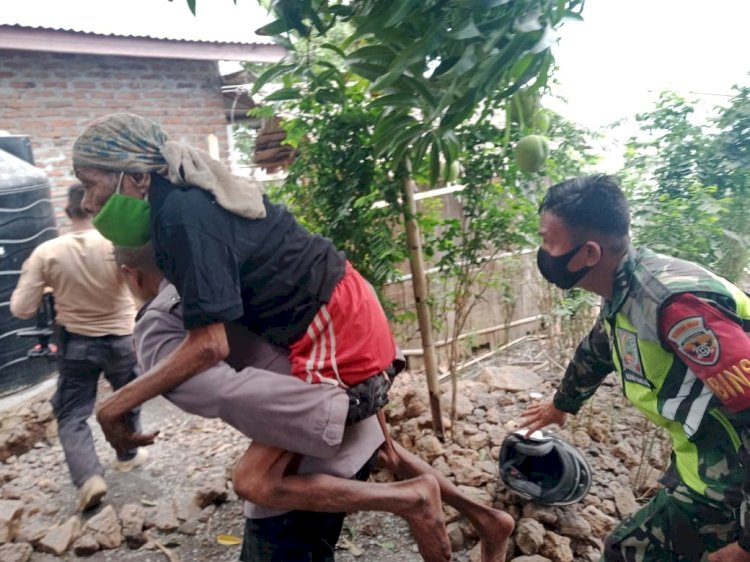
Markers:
point(81, 361)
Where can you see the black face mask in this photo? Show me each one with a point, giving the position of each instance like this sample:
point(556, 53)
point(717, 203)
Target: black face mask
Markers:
point(555, 268)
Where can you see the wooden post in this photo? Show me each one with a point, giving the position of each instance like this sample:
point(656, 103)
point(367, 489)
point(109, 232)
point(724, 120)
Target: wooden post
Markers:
point(213, 146)
point(419, 283)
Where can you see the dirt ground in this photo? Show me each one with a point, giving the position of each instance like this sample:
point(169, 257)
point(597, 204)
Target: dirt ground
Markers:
point(190, 449)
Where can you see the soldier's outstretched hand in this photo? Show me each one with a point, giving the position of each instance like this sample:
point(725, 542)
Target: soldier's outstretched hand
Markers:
point(542, 414)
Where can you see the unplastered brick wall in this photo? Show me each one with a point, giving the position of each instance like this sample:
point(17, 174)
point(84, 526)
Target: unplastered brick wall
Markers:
point(51, 97)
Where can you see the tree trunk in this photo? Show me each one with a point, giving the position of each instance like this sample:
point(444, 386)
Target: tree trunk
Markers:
point(419, 283)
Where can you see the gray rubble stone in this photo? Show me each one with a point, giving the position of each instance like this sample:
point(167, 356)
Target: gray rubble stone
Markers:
point(16, 552)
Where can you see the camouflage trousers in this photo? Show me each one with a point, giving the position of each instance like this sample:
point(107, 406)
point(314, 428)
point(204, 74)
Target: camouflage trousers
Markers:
point(675, 526)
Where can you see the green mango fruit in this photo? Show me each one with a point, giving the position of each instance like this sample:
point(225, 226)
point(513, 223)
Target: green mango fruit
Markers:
point(531, 153)
point(541, 122)
point(524, 104)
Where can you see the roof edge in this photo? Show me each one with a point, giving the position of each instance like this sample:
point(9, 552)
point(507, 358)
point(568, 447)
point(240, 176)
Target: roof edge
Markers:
point(60, 41)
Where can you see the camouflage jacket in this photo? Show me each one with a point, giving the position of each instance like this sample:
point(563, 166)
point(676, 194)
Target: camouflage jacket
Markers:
point(706, 425)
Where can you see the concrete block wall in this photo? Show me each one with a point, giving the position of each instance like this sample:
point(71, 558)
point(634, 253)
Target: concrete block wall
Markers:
point(51, 97)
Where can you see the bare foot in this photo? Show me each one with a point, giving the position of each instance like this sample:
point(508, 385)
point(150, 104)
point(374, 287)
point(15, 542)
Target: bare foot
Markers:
point(493, 527)
point(426, 520)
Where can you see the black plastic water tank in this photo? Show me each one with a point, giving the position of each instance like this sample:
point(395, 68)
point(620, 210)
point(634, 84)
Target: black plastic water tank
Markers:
point(17, 145)
point(27, 219)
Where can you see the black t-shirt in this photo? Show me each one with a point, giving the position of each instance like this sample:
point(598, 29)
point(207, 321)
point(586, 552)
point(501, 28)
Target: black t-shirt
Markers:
point(269, 274)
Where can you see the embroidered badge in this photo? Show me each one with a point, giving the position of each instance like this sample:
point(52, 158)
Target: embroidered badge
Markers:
point(695, 341)
point(630, 357)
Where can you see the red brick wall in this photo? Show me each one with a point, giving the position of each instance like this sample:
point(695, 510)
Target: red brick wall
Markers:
point(51, 97)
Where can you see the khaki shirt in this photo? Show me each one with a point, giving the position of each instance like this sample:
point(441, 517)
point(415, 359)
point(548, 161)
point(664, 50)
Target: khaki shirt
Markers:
point(263, 400)
point(91, 297)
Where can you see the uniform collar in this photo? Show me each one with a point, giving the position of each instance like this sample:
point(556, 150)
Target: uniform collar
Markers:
point(622, 282)
point(143, 309)
point(162, 285)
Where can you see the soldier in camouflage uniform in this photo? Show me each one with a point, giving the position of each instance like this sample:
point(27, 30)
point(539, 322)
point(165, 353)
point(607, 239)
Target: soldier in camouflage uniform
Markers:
point(676, 335)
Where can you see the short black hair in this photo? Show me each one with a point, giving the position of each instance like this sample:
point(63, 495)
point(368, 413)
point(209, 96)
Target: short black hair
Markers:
point(75, 197)
point(590, 203)
point(140, 257)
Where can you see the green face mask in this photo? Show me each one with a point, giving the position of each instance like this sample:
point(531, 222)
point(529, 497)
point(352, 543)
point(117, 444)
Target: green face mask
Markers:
point(123, 220)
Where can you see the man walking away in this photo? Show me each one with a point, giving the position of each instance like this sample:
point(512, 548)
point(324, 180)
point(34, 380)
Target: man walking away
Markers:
point(95, 313)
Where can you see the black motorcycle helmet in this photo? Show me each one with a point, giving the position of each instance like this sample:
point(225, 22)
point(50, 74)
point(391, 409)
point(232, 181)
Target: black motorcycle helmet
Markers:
point(544, 468)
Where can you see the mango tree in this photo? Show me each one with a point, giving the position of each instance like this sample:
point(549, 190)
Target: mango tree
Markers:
point(430, 66)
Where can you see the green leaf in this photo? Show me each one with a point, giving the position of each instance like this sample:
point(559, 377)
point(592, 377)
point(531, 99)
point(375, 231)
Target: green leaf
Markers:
point(452, 144)
point(572, 16)
point(445, 65)
point(191, 5)
point(386, 80)
point(419, 151)
point(543, 72)
point(317, 22)
point(418, 85)
point(453, 118)
point(364, 27)
point(293, 13)
point(389, 126)
point(367, 70)
point(521, 65)
point(328, 96)
point(268, 75)
point(404, 8)
point(284, 94)
point(467, 63)
point(530, 72)
point(334, 48)
point(416, 52)
point(468, 31)
point(403, 135)
point(395, 100)
point(397, 152)
point(324, 78)
point(276, 27)
point(488, 77)
point(435, 161)
point(378, 54)
point(496, 28)
point(327, 64)
point(261, 112)
point(459, 110)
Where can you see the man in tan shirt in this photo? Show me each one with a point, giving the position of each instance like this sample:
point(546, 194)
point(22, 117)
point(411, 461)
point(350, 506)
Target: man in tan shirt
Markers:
point(96, 314)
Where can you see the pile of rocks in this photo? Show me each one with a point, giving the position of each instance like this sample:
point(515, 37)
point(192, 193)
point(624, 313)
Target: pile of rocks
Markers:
point(37, 520)
point(173, 500)
point(490, 405)
point(24, 425)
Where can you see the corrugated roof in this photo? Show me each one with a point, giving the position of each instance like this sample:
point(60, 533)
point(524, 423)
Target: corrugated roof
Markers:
point(217, 21)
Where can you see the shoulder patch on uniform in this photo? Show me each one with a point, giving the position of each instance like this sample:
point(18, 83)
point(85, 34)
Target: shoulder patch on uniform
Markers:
point(632, 366)
point(695, 340)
